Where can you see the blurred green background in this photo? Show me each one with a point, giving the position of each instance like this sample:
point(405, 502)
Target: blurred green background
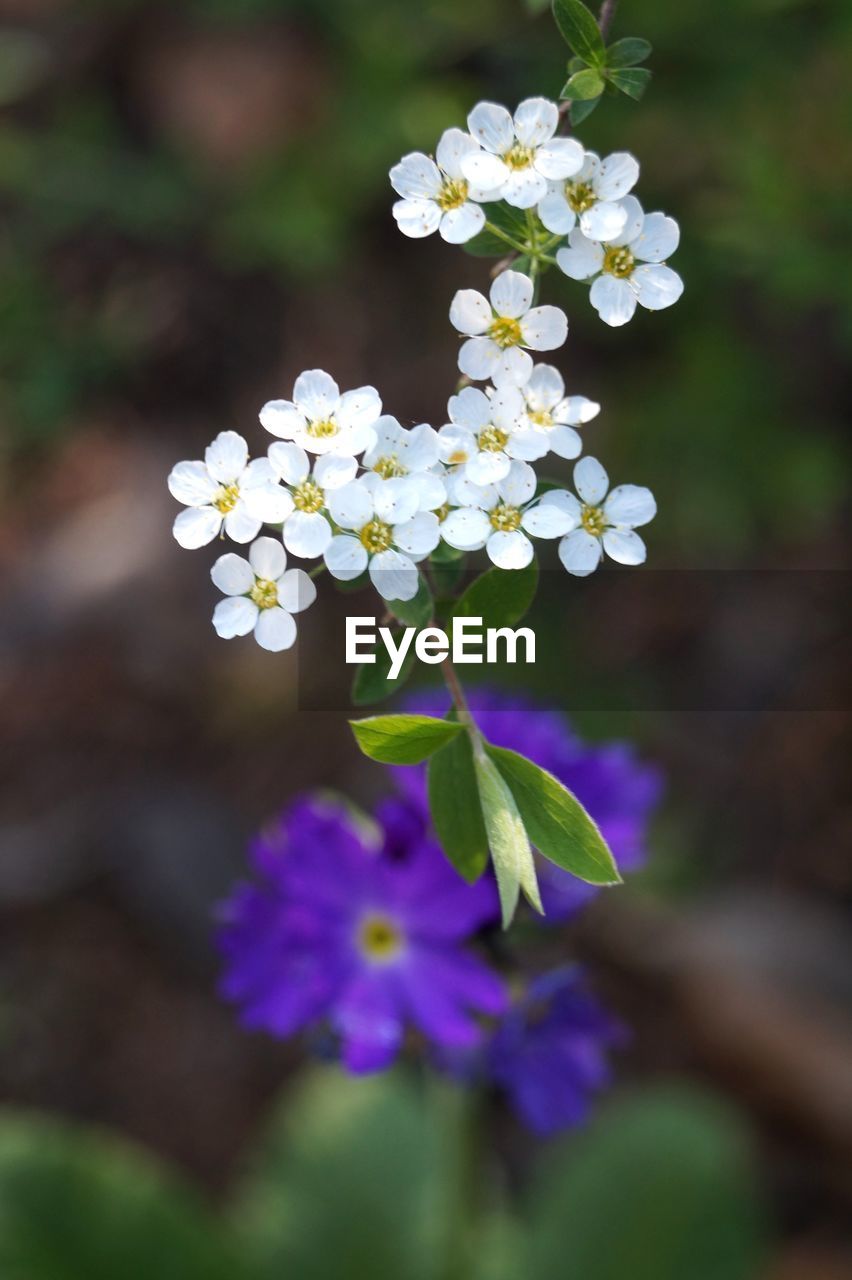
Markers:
point(195, 207)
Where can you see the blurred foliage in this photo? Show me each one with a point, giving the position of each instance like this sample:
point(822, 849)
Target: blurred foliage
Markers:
point(372, 1178)
point(729, 404)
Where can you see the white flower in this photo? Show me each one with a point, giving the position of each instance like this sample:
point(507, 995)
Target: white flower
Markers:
point(262, 595)
point(629, 268)
point(594, 195)
point(519, 155)
point(306, 531)
point(487, 432)
point(499, 518)
point(387, 532)
point(600, 523)
point(554, 415)
point(225, 489)
point(500, 328)
point(322, 420)
point(436, 194)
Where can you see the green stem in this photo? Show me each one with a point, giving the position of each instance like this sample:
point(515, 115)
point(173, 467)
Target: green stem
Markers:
point(501, 235)
point(316, 571)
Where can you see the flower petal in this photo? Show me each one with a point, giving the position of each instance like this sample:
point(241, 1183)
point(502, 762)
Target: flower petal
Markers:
point(492, 126)
point(289, 461)
point(634, 222)
point(524, 188)
point(566, 502)
point(275, 630)
point(625, 546)
point(226, 457)
point(452, 145)
point(486, 467)
point(460, 225)
point(359, 409)
point(242, 525)
point(281, 418)
point(512, 367)
point(659, 238)
point(528, 444)
point(485, 171)
point(582, 259)
point(547, 520)
point(416, 218)
point(235, 616)
point(561, 158)
point(510, 550)
point(511, 294)
point(479, 358)
point(192, 484)
point(580, 553)
point(416, 177)
point(470, 312)
point(307, 534)
point(470, 409)
point(577, 410)
point(466, 529)
point(535, 121)
point(545, 388)
point(351, 506)
point(418, 536)
point(618, 174)
point(196, 526)
point(267, 558)
point(233, 575)
point(556, 213)
point(604, 221)
point(345, 557)
point(455, 445)
point(394, 575)
point(519, 485)
point(296, 591)
point(396, 500)
point(544, 328)
point(613, 299)
point(630, 505)
point(565, 442)
point(316, 394)
point(656, 286)
point(335, 470)
point(590, 481)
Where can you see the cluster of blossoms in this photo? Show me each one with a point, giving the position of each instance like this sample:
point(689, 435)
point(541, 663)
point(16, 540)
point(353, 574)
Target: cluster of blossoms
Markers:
point(363, 935)
point(598, 232)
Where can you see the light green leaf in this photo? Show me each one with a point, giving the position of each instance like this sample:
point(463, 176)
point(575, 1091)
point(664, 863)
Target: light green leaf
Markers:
point(507, 839)
point(402, 739)
point(630, 80)
point(579, 30)
point(556, 822)
point(418, 611)
point(455, 808)
point(500, 597)
point(76, 1205)
point(580, 111)
point(676, 1163)
point(372, 681)
point(627, 52)
point(583, 86)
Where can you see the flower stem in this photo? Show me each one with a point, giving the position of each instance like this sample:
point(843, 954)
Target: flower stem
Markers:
point(501, 235)
point(606, 15)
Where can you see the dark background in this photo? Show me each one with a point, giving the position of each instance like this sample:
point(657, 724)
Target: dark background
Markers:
point(195, 208)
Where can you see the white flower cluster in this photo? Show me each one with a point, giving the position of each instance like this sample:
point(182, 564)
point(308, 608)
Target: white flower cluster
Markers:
point(350, 486)
point(520, 159)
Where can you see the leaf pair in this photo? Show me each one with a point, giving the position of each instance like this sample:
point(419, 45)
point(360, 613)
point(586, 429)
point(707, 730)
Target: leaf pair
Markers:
point(597, 67)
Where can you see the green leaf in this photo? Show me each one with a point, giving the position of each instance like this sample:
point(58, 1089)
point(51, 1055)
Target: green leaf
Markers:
point(580, 111)
point(627, 52)
point(418, 611)
point(402, 739)
point(556, 822)
point(579, 30)
point(76, 1205)
point(455, 808)
point(508, 842)
point(500, 597)
point(630, 80)
point(507, 219)
point(446, 575)
point(372, 681)
point(676, 1163)
point(583, 86)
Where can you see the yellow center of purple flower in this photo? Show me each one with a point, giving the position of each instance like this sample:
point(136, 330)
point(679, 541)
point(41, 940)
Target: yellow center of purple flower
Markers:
point(380, 939)
point(225, 498)
point(264, 593)
point(505, 331)
point(618, 262)
point(593, 520)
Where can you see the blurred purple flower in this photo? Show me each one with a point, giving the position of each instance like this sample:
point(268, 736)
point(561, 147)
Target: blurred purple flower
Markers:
point(549, 1052)
point(618, 790)
point(338, 932)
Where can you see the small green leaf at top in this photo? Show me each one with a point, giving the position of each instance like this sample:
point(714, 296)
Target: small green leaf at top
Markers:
point(580, 30)
point(418, 611)
point(402, 739)
point(372, 681)
point(556, 822)
point(500, 597)
point(628, 52)
point(508, 841)
point(455, 808)
point(580, 111)
point(630, 80)
point(584, 85)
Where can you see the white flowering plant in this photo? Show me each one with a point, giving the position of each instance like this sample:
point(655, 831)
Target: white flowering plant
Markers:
point(400, 508)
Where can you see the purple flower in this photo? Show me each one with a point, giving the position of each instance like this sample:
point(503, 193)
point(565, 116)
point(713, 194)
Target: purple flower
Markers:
point(618, 790)
point(340, 932)
point(549, 1052)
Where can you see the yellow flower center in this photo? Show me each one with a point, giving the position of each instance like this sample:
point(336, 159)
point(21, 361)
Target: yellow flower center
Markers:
point(504, 518)
point(618, 262)
point(225, 498)
point(493, 439)
point(308, 496)
point(580, 196)
point(379, 939)
point(505, 331)
point(593, 520)
point(389, 466)
point(457, 456)
point(376, 536)
point(453, 194)
point(541, 417)
point(264, 593)
point(323, 428)
point(519, 156)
